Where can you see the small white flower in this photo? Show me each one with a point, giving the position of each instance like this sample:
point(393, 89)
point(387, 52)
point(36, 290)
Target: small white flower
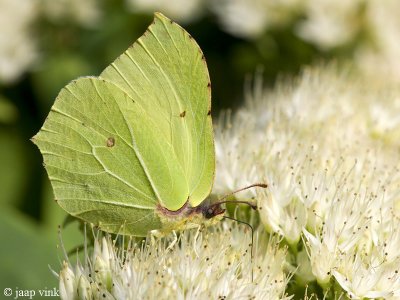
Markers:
point(84, 290)
point(67, 282)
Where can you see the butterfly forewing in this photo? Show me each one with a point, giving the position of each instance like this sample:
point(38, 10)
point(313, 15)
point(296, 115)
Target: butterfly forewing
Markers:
point(166, 74)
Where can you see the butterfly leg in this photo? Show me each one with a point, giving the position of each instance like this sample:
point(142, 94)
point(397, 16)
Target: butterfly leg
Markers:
point(196, 236)
point(172, 244)
point(153, 235)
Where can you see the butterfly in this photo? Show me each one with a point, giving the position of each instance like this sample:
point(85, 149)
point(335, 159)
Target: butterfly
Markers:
point(132, 150)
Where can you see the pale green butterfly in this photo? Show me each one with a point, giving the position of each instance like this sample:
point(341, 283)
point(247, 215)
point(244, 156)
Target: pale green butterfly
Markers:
point(132, 150)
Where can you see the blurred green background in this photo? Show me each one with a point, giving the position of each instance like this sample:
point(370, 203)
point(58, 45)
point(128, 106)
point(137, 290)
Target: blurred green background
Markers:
point(46, 43)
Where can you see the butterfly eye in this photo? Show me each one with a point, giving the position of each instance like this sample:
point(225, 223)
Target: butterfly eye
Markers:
point(208, 213)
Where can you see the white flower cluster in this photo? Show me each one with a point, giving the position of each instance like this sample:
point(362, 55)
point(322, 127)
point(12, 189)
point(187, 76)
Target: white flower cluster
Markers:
point(211, 264)
point(328, 148)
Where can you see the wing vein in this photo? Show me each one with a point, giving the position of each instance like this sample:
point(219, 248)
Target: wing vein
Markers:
point(178, 99)
point(114, 203)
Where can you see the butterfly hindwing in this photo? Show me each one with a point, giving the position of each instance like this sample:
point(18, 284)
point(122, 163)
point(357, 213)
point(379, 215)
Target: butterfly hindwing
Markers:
point(89, 156)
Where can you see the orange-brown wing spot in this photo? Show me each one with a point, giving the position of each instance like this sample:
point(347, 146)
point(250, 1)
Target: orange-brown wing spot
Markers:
point(182, 114)
point(209, 112)
point(110, 142)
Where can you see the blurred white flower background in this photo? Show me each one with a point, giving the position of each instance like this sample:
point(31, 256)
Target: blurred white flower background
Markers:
point(18, 49)
point(367, 29)
point(306, 97)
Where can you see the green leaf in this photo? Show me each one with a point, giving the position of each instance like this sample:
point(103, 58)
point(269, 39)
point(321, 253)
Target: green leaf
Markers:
point(25, 253)
point(8, 111)
point(14, 175)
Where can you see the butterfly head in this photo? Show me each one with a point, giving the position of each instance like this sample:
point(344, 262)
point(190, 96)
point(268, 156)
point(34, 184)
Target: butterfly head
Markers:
point(211, 210)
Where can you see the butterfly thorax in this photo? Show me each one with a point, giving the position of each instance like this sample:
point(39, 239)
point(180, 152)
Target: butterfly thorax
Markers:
point(205, 214)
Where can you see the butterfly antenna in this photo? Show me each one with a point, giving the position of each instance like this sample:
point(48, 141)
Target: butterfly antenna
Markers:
point(253, 206)
point(263, 185)
point(252, 242)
